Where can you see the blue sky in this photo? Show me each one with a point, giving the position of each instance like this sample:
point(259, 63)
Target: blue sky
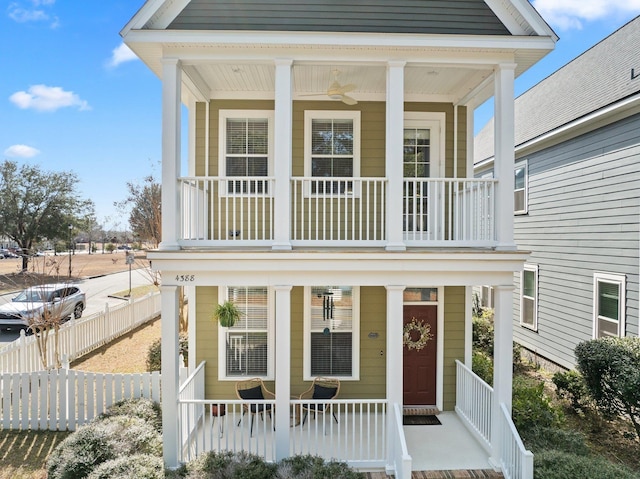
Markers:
point(73, 98)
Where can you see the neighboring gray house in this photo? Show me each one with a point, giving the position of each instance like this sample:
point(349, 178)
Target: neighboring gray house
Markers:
point(577, 199)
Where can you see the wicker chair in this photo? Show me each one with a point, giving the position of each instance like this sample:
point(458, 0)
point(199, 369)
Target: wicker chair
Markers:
point(321, 388)
point(254, 389)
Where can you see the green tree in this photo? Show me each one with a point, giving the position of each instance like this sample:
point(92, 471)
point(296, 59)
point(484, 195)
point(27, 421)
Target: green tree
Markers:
point(37, 204)
point(145, 201)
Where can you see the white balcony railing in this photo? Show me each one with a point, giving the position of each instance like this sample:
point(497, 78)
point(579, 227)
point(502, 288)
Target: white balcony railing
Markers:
point(337, 211)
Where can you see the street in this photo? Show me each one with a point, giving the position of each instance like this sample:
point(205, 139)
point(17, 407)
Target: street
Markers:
point(97, 291)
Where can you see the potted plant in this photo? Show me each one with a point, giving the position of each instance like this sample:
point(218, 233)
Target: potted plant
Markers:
point(227, 314)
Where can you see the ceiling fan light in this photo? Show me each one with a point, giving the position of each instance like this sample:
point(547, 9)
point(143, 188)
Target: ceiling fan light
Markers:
point(335, 96)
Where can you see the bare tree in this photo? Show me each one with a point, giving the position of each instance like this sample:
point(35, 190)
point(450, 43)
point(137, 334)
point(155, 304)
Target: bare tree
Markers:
point(145, 216)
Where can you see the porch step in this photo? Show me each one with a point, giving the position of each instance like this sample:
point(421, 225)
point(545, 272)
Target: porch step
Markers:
point(420, 410)
point(457, 474)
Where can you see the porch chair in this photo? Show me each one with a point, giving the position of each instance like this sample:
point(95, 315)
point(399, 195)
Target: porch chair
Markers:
point(321, 388)
point(254, 389)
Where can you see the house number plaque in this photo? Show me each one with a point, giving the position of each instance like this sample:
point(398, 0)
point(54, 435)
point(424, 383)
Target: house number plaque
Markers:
point(185, 278)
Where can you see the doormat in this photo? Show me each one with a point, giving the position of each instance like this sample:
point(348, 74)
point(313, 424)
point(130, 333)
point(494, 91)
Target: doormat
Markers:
point(420, 420)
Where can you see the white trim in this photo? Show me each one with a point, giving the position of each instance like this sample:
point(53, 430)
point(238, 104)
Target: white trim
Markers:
point(222, 136)
point(223, 295)
point(535, 269)
point(355, 336)
point(621, 281)
point(522, 164)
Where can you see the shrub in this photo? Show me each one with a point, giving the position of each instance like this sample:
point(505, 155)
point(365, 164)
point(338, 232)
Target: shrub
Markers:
point(143, 408)
point(139, 466)
point(561, 465)
point(570, 385)
point(611, 371)
point(314, 467)
point(100, 441)
point(154, 354)
point(482, 365)
point(532, 408)
point(539, 438)
point(482, 335)
point(222, 465)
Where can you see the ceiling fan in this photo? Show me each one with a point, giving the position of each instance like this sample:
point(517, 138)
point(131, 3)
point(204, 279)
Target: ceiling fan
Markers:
point(336, 91)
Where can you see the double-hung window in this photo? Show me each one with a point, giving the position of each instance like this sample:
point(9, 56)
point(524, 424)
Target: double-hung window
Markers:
point(247, 346)
point(529, 297)
point(332, 150)
point(520, 191)
point(609, 291)
point(245, 149)
point(332, 332)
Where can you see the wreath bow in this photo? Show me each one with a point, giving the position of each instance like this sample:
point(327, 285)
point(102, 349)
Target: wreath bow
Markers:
point(420, 327)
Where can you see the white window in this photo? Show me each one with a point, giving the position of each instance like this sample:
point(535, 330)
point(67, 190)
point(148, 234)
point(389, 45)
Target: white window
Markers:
point(332, 332)
point(529, 296)
point(246, 348)
point(520, 192)
point(332, 150)
point(609, 291)
point(245, 149)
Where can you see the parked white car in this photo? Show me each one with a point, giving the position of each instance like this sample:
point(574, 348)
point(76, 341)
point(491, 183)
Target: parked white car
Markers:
point(35, 303)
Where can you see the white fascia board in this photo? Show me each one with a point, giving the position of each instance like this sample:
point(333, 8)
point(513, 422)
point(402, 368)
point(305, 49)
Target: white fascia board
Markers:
point(501, 9)
point(533, 18)
point(142, 16)
point(168, 14)
point(331, 39)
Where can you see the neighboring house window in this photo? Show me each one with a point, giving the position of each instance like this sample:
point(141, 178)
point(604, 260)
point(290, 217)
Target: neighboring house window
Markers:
point(332, 326)
point(520, 192)
point(529, 297)
point(332, 149)
point(609, 292)
point(245, 149)
point(247, 345)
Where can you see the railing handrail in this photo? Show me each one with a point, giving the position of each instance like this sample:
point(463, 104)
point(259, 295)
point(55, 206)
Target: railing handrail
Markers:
point(192, 377)
point(522, 466)
point(474, 375)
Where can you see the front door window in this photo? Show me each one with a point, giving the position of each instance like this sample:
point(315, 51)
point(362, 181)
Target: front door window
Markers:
point(417, 168)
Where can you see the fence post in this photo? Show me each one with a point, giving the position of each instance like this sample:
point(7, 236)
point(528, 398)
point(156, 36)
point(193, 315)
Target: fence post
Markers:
point(105, 323)
point(22, 348)
point(73, 346)
point(131, 312)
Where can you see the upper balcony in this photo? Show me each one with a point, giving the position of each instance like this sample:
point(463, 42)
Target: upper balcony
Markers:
point(337, 212)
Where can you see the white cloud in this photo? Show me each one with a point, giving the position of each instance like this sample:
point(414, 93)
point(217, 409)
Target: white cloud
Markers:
point(47, 98)
point(120, 55)
point(571, 14)
point(21, 151)
point(32, 13)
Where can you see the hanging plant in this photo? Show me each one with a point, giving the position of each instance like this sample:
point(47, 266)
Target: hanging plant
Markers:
point(227, 314)
point(419, 330)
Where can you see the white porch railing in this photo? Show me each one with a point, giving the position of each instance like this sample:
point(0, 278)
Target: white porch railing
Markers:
point(64, 399)
point(473, 405)
point(449, 211)
point(78, 337)
point(401, 458)
point(516, 460)
point(191, 388)
point(338, 210)
point(226, 210)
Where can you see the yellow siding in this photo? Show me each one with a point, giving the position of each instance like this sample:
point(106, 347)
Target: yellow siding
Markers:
point(454, 306)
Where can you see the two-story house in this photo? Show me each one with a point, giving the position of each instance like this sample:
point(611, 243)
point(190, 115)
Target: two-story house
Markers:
point(329, 194)
point(576, 206)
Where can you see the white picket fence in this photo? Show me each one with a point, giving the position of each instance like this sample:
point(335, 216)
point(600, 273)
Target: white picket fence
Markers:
point(65, 399)
point(78, 337)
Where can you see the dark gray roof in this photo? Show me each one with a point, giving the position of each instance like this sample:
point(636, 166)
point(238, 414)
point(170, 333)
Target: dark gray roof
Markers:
point(599, 77)
point(471, 17)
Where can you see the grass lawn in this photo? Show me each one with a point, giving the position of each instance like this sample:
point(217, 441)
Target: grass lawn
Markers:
point(23, 453)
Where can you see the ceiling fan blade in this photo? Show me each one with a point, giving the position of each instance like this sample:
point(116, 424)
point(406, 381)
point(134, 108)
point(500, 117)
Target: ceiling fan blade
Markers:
point(346, 88)
point(347, 100)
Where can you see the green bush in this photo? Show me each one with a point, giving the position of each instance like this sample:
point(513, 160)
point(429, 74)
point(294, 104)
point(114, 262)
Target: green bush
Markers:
point(139, 466)
point(314, 467)
point(143, 408)
point(611, 371)
point(561, 465)
point(482, 335)
point(154, 354)
point(532, 408)
point(539, 438)
point(482, 365)
point(222, 465)
point(570, 385)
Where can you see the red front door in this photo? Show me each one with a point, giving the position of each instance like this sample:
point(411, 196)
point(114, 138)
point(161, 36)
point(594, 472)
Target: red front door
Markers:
point(419, 366)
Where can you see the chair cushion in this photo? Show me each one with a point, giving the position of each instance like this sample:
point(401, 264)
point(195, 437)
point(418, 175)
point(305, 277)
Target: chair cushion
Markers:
point(251, 393)
point(323, 392)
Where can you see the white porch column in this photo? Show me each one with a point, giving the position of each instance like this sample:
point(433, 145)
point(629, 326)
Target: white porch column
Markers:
point(468, 326)
point(395, 300)
point(504, 139)
point(171, 92)
point(282, 154)
point(393, 154)
point(283, 369)
point(170, 373)
point(502, 364)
